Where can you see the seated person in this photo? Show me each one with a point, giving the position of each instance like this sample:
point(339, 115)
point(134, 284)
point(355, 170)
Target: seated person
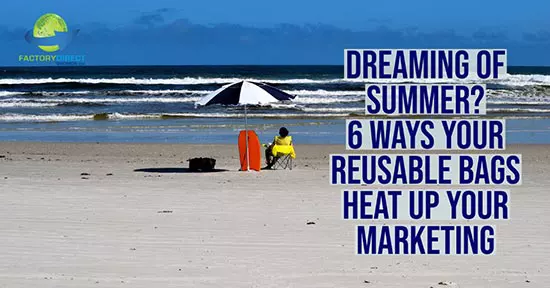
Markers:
point(281, 144)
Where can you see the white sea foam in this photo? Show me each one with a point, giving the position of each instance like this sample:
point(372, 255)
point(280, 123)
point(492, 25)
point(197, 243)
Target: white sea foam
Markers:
point(320, 113)
point(319, 96)
point(300, 100)
point(504, 102)
point(327, 100)
point(321, 92)
point(9, 93)
point(518, 110)
point(509, 79)
point(118, 100)
point(331, 110)
point(143, 81)
point(133, 116)
point(43, 118)
point(25, 105)
point(318, 92)
point(60, 93)
point(60, 117)
point(160, 92)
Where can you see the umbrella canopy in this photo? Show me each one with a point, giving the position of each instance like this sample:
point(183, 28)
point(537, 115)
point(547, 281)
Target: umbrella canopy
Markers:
point(244, 93)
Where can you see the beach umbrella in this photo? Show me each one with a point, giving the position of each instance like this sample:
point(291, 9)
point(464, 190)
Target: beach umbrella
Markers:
point(244, 93)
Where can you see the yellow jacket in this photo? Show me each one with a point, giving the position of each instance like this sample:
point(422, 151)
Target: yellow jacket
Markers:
point(283, 146)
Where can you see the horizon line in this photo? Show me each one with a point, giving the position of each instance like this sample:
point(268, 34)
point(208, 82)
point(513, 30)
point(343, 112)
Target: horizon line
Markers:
point(212, 65)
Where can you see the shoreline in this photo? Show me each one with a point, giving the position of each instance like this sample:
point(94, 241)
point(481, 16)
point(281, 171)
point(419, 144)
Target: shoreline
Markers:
point(2, 143)
point(309, 156)
point(221, 131)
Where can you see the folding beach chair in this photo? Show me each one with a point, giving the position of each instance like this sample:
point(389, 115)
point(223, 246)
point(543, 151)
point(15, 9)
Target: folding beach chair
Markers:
point(282, 161)
point(283, 153)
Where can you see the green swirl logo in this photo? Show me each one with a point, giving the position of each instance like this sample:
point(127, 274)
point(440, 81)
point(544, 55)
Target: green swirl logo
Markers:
point(50, 33)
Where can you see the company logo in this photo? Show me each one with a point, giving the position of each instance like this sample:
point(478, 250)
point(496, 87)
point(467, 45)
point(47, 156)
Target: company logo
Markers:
point(51, 34)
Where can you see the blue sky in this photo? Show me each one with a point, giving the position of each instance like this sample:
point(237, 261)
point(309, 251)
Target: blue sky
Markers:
point(149, 32)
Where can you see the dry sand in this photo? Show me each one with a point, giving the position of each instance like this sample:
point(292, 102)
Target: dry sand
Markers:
point(59, 228)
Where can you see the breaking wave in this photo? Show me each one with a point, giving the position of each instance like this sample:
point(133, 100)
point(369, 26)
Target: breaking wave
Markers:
point(509, 80)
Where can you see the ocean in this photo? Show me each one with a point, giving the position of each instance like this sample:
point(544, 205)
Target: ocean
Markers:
point(156, 103)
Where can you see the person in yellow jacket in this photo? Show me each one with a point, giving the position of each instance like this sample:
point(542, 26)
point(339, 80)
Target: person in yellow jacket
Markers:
point(281, 144)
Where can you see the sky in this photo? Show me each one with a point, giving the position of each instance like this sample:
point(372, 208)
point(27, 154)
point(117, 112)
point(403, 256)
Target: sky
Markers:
point(162, 32)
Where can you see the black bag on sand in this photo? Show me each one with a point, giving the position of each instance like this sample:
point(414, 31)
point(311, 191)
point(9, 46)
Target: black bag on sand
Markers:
point(201, 164)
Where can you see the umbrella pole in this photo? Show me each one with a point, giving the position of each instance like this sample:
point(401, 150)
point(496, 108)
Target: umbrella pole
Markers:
point(246, 133)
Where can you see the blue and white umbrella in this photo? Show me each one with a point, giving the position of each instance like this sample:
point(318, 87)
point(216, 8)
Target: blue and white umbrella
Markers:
point(244, 93)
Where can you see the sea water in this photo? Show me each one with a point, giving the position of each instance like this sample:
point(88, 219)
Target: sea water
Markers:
point(156, 104)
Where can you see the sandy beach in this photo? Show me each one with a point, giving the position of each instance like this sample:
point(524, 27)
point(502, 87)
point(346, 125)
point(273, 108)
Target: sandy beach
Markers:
point(79, 215)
